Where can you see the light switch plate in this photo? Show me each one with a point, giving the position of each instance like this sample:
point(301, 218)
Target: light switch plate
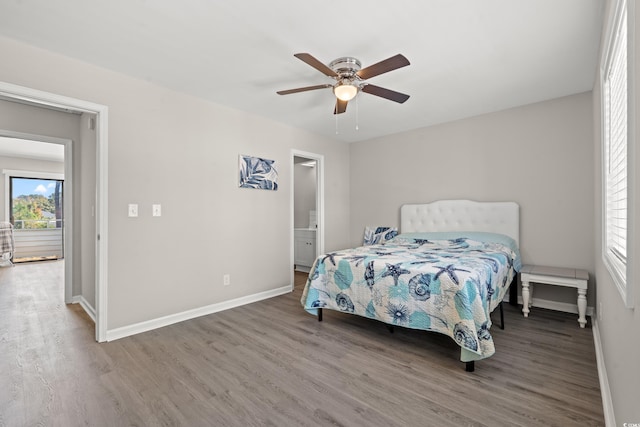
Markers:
point(157, 210)
point(133, 210)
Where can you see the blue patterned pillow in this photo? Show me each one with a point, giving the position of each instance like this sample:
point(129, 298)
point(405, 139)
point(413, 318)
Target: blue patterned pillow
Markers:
point(378, 235)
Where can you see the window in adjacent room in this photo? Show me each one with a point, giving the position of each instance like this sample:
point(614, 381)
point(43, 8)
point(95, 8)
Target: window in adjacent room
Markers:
point(615, 160)
point(35, 209)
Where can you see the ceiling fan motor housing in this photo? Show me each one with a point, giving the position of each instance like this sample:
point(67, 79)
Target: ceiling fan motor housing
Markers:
point(346, 67)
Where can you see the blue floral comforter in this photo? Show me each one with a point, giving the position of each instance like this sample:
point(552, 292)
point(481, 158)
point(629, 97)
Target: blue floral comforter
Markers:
point(442, 282)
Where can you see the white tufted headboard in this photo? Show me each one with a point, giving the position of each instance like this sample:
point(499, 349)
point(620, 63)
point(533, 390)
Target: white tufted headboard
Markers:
point(462, 215)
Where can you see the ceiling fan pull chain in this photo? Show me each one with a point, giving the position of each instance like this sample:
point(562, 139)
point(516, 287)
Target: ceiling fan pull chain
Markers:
point(336, 116)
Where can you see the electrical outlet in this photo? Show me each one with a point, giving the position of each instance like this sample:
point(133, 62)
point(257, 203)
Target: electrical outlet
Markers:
point(226, 279)
point(133, 210)
point(156, 210)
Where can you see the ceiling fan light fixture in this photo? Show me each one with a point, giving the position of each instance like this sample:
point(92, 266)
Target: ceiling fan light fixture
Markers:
point(345, 91)
point(350, 78)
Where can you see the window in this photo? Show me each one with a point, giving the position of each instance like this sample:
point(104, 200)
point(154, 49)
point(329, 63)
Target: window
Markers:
point(35, 207)
point(36, 212)
point(615, 159)
point(35, 203)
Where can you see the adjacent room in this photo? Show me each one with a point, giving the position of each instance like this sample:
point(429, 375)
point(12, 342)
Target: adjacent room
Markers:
point(237, 185)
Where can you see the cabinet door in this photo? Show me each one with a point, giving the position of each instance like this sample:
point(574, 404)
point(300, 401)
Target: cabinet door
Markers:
point(305, 251)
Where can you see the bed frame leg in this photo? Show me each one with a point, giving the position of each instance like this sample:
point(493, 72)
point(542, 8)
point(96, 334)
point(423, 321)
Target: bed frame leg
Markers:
point(501, 316)
point(319, 315)
point(391, 329)
point(513, 291)
point(470, 366)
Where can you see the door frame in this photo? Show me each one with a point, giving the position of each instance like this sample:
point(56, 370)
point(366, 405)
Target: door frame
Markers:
point(40, 98)
point(319, 158)
point(67, 199)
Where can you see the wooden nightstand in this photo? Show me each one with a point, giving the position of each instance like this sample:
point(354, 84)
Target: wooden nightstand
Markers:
point(559, 276)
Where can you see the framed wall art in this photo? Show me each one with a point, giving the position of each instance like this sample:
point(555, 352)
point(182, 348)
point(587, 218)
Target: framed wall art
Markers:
point(258, 173)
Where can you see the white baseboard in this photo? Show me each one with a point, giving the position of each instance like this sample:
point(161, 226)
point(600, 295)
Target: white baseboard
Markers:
point(160, 322)
point(557, 306)
point(607, 402)
point(79, 299)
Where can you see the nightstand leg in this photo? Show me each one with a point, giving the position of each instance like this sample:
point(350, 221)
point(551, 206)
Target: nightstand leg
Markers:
point(582, 307)
point(525, 298)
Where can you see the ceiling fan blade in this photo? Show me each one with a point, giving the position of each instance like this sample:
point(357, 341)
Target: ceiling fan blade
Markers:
point(382, 67)
point(385, 93)
point(302, 89)
point(309, 59)
point(341, 106)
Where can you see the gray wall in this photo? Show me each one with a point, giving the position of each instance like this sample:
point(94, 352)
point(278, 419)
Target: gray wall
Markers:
point(618, 325)
point(539, 155)
point(85, 249)
point(182, 152)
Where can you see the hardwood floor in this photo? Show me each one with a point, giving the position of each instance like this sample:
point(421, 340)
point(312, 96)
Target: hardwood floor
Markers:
point(272, 364)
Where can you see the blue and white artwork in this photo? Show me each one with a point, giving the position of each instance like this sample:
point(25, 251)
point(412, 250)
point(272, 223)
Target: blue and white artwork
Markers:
point(256, 172)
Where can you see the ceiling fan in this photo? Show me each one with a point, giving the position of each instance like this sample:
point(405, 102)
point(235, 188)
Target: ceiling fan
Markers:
point(351, 78)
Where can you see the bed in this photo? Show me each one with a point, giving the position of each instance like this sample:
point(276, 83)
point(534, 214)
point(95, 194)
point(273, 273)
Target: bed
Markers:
point(446, 271)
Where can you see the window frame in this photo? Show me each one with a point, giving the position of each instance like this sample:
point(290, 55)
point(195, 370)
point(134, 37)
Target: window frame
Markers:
point(621, 272)
point(11, 198)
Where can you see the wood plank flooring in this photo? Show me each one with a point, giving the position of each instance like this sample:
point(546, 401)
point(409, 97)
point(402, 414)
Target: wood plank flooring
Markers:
point(272, 364)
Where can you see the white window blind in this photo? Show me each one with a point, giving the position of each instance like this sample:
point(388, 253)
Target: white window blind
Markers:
point(615, 151)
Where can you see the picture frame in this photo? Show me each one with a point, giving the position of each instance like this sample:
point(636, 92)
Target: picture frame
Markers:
point(257, 173)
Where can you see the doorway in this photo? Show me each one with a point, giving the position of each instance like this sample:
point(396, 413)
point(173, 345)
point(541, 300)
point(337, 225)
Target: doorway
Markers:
point(20, 94)
point(38, 148)
point(307, 210)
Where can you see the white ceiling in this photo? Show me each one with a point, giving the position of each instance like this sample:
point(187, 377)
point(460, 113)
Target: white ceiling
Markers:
point(468, 57)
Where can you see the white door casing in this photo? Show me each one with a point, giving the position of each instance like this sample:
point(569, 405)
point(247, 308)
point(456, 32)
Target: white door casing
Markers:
point(319, 158)
point(50, 100)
